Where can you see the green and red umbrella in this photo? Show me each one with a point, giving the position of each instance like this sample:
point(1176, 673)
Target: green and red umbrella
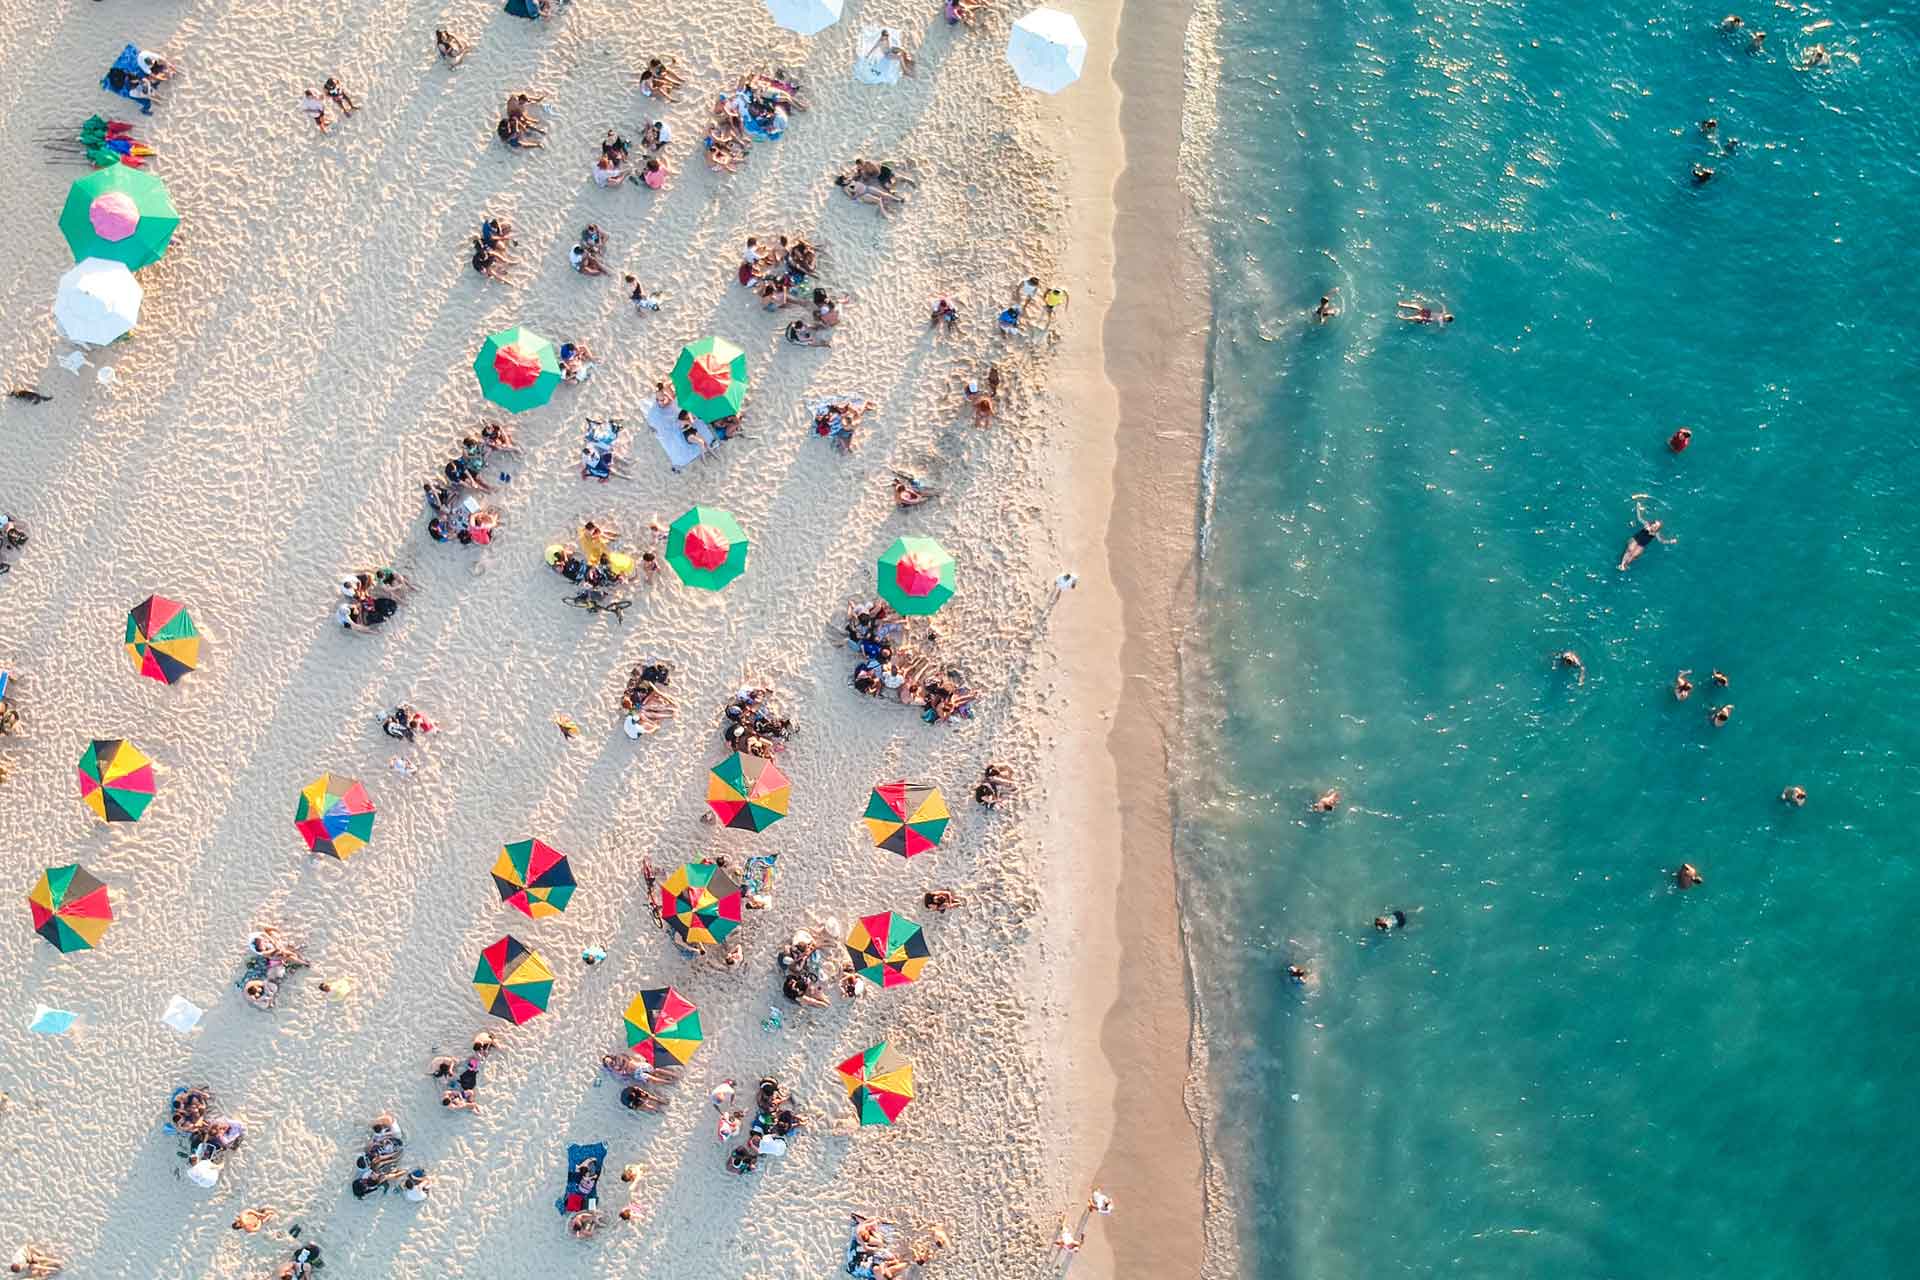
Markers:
point(707, 548)
point(533, 877)
point(518, 369)
point(121, 214)
point(663, 1026)
point(116, 780)
point(906, 817)
point(700, 902)
point(879, 1083)
point(161, 639)
point(70, 908)
point(916, 576)
point(513, 981)
point(748, 792)
point(334, 815)
point(887, 950)
point(710, 379)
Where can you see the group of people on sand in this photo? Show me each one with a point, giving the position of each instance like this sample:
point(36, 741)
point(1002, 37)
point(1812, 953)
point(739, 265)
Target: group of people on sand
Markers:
point(773, 1126)
point(332, 93)
point(750, 725)
point(519, 127)
point(877, 183)
point(379, 1167)
point(777, 269)
point(645, 704)
point(878, 1250)
point(615, 163)
point(206, 1136)
point(454, 513)
point(459, 1077)
point(369, 598)
point(905, 674)
point(269, 959)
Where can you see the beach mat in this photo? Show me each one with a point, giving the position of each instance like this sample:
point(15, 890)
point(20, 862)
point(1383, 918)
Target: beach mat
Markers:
point(877, 68)
point(573, 1202)
point(665, 421)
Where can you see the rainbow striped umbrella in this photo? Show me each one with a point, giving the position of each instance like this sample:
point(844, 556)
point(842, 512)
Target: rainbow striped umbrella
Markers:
point(700, 902)
point(116, 781)
point(70, 908)
point(663, 1026)
point(533, 877)
point(879, 1083)
point(334, 815)
point(748, 792)
point(513, 981)
point(906, 817)
point(916, 576)
point(887, 950)
point(161, 639)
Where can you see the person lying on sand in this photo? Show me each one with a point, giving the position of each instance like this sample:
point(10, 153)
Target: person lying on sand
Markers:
point(941, 900)
point(908, 491)
point(889, 48)
point(316, 108)
point(864, 193)
point(884, 173)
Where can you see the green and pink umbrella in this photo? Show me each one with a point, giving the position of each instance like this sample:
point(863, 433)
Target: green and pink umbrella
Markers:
point(710, 379)
point(707, 548)
point(916, 576)
point(121, 214)
point(518, 369)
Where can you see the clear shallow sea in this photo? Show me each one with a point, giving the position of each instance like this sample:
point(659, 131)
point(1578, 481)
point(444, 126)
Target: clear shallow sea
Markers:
point(1564, 1068)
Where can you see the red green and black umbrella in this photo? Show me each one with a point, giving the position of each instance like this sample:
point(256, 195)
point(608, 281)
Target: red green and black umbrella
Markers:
point(70, 908)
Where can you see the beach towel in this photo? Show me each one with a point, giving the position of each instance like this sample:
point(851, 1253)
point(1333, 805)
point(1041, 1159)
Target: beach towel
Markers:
point(573, 1202)
point(124, 74)
point(665, 421)
point(875, 68)
point(768, 131)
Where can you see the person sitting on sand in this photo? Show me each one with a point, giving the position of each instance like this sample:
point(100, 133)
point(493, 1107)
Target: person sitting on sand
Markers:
point(1644, 536)
point(889, 49)
point(451, 48)
point(583, 1224)
point(643, 301)
point(316, 108)
point(941, 900)
point(802, 334)
point(959, 11)
point(585, 258)
point(458, 1099)
point(1421, 313)
point(337, 94)
point(908, 491)
point(655, 137)
point(945, 316)
point(490, 262)
point(608, 172)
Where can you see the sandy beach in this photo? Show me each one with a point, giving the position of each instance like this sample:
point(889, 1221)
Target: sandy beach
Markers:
point(304, 360)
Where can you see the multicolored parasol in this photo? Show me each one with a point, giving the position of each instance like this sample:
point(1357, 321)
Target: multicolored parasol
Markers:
point(748, 792)
point(707, 548)
point(513, 981)
point(334, 815)
point(533, 877)
point(161, 639)
point(906, 817)
point(917, 576)
point(663, 1026)
point(518, 369)
point(121, 214)
point(888, 950)
point(116, 781)
point(700, 902)
point(879, 1083)
point(70, 908)
point(710, 379)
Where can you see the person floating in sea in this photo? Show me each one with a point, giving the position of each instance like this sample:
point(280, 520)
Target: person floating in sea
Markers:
point(1325, 311)
point(1688, 876)
point(1720, 680)
point(1795, 796)
point(1328, 801)
point(1390, 921)
point(1680, 439)
point(1682, 686)
point(1421, 313)
point(1643, 537)
point(1571, 659)
point(1701, 175)
point(1721, 715)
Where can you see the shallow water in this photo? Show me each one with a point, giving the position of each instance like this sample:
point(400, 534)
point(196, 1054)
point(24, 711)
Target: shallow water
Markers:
point(1563, 1067)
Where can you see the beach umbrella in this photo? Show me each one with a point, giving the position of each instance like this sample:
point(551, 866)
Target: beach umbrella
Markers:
point(888, 950)
point(700, 902)
point(916, 576)
point(161, 639)
point(97, 301)
point(805, 17)
point(518, 369)
point(707, 548)
point(513, 981)
point(748, 792)
point(333, 815)
point(663, 1026)
point(119, 213)
point(879, 1083)
point(533, 877)
point(70, 908)
point(1047, 50)
point(116, 781)
point(710, 378)
point(906, 817)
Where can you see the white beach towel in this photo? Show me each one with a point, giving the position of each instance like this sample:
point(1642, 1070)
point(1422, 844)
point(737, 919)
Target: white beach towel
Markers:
point(877, 68)
point(665, 421)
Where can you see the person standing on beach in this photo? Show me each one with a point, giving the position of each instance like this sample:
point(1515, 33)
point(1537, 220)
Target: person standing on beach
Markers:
point(1061, 585)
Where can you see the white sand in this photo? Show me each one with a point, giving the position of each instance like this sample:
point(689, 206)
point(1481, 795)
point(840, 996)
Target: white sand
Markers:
point(303, 362)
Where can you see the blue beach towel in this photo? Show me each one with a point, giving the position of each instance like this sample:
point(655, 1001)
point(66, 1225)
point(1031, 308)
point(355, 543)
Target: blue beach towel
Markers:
point(573, 1202)
point(125, 73)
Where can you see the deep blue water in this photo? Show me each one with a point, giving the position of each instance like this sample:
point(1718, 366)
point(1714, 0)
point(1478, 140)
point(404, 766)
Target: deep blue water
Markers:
point(1564, 1067)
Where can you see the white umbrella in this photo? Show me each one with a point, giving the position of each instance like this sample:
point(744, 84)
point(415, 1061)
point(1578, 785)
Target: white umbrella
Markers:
point(1047, 50)
point(808, 17)
point(97, 301)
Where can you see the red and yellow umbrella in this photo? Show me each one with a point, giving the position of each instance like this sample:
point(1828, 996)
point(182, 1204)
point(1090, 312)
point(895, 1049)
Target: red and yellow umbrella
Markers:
point(748, 792)
point(116, 781)
point(513, 981)
point(879, 1083)
point(663, 1026)
point(161, 639)
point(906, 817)
point(886, 949)
point(334, 815)
point(534, 878)
point(701, 903)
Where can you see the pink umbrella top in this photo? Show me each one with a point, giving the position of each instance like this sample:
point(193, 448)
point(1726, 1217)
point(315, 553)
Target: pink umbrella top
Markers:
point(706, 547)
point(517, 368)
point(916, 575)
point(114, 215)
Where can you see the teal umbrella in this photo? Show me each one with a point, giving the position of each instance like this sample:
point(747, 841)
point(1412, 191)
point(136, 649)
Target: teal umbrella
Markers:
point(121, 214)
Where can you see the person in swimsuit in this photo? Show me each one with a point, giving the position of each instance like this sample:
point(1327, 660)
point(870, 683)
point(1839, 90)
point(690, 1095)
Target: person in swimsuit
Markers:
point(1680, 439)
point(1328, 801)
point(1643, 537)
point(1682, 686)
point(1688, 876)
point(1391, 921)
point(1721, 715)
point(1325, 311)
point(1795, 796)
point(1572, 659)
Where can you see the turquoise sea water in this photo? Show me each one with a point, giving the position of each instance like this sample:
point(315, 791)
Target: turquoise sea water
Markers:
point(1564, 1067)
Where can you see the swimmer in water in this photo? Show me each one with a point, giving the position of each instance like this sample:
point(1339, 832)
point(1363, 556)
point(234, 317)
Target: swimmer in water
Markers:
point(1708, 125)
point(1390, 921)
point(1795, 796)
point(1701, 175)
point(1329, 801)
point(1680, 439)
point(1682, 686)
point(1759, 39)
point(1731, 23)
point(1688, 876)
point(1325, 311)
point(1817, 56)
point(1645, 536)
point(1572, 659)
point(1720, 680)
point(1721, 715)
point(1420, 313)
